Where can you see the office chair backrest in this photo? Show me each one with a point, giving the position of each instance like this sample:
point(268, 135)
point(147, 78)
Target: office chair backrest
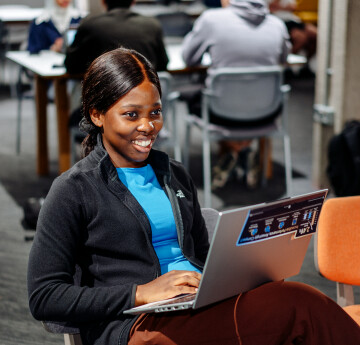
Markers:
point(245, 93)
point(307, 5)
point(337, 254)
point(165, 82)
point(175, 24)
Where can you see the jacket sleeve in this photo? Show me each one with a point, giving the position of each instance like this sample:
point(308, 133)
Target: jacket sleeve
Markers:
point(196, 42)
point(58, 243)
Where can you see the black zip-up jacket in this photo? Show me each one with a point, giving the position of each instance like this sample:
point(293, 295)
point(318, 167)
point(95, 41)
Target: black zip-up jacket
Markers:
point(91, 220)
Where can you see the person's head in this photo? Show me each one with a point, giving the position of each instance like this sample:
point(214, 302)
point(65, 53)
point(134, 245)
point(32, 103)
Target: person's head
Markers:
point(111, 4)
point(63, 3)
point(121, 99)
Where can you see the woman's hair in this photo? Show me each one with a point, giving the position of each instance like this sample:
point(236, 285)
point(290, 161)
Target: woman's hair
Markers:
point(110, 77)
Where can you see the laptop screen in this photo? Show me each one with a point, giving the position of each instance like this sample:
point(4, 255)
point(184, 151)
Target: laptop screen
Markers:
point(299, 217)
point(70, 36)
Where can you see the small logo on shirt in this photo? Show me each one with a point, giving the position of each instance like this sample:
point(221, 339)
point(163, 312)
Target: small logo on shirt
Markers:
point(180, 194)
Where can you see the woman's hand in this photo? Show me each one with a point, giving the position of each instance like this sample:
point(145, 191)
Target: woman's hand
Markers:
point(168, 285)
point(57, 45)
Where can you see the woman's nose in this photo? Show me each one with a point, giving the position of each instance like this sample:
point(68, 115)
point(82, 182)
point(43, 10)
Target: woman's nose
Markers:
point(146, 126)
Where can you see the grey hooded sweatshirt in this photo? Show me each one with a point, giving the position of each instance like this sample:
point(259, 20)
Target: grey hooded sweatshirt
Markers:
point(242, 34)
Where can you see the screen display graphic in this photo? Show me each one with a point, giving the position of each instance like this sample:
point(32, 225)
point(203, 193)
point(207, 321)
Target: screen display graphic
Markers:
point(299, 217)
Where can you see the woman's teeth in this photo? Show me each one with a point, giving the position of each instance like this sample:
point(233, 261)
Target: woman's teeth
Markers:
point(143, 143)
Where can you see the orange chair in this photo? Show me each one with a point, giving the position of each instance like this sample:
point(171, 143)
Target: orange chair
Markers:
point(307, 10)
point(337, 249)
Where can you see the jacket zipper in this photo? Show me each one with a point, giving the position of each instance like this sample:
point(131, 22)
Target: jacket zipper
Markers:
point(178, 220)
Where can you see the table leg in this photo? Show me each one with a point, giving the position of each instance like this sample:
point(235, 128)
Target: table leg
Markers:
point(269, 167)
point(42, 164)
point(62, 113)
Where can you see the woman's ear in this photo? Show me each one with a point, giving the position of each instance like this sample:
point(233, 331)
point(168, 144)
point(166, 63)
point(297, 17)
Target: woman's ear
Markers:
point(96, 118)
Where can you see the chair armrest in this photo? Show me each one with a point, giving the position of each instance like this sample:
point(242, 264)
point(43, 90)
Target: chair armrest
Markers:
point(174, 95)
point(285, 88)
point(59, 328)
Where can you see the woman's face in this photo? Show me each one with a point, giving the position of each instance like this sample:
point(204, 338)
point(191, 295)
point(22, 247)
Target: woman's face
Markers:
point(63, 3)
point(130, 126)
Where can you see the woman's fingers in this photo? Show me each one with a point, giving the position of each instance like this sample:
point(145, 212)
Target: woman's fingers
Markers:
point(187, 278)
point(168, 285)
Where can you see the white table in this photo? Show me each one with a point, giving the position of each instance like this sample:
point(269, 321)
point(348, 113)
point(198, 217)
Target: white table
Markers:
point(45, 67)
point(177, 64)
point(18, 14)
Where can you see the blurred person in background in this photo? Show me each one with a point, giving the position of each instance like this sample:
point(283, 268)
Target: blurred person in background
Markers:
point(46, 32)
point(118, 26)
point(240, 34)
point(303, 35)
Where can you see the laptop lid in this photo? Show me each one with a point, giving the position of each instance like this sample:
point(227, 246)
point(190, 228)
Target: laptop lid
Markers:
point(251, 246)
point(257, 244)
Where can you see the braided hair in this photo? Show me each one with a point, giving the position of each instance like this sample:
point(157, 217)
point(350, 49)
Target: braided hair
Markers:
point(110, 77)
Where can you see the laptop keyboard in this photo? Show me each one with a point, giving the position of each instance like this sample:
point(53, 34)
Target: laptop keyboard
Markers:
point(181, 299)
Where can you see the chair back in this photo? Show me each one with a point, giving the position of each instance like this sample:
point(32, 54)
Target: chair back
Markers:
point(337, 254)
point(168, 136)
point(166, 84)
point(307, 5)
point(175, 24)
point(248, 94)
point(3, 39)
point(210, 216)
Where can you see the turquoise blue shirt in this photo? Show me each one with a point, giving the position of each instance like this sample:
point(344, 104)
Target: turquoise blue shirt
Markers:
point(143, 184)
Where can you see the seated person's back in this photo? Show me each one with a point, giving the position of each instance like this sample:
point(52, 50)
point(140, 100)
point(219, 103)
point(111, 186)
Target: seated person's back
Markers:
point(119, 26)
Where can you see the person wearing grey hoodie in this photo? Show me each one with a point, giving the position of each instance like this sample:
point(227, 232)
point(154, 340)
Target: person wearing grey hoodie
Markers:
point(242, 33)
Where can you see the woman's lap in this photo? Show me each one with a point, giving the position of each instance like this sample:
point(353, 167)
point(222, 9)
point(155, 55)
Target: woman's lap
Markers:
point(275, 313)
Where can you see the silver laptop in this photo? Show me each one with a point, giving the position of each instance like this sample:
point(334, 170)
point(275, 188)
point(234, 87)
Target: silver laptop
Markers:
point(251, 246)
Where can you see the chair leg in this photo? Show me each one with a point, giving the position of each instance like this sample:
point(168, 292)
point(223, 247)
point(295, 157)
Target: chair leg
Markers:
point(186, 153)
point(18, 125)
point(288, 172)
point(264, 154)
point(177, 147)
point(207, 169)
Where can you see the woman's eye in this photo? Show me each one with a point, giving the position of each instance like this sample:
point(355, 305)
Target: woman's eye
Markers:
point(157, 112)
point(131, 114)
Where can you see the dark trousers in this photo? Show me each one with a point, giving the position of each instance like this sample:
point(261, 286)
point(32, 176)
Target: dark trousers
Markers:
point(280, 313)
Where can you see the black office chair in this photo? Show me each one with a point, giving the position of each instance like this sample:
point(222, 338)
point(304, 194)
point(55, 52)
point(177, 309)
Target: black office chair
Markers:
point(175, 24)
point(4, 44)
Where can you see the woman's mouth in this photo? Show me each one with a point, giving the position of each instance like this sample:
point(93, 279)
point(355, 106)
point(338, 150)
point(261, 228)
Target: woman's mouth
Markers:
point(143, 145)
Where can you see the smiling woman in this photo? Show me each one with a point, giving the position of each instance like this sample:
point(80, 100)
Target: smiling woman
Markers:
point(130, 126)
point(127, 217)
